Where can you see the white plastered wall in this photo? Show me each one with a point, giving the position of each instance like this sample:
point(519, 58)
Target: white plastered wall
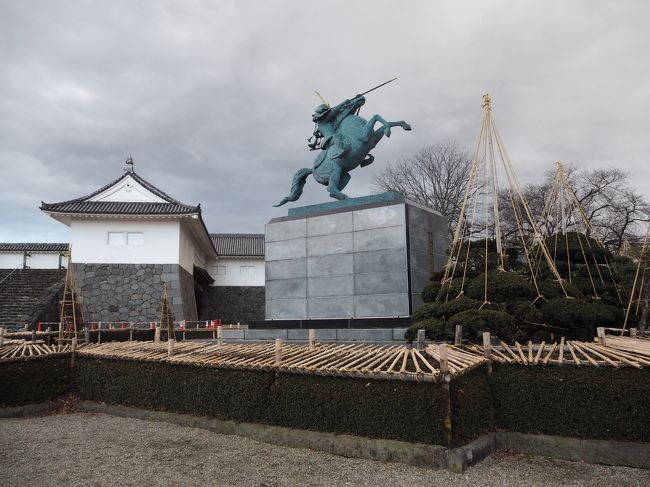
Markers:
point(228, 272)
point(89, 241)
point(190, 252)
point(42, 260)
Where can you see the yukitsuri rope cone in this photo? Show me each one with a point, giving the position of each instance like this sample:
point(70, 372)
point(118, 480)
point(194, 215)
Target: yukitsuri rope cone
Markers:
point(639, 285)
point(563, 218)
point(480, 214)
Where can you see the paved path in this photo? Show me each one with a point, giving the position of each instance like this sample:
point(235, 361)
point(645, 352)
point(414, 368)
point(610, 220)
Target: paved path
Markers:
point(100, 450)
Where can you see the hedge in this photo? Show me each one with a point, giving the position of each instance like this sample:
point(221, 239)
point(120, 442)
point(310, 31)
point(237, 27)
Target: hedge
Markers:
point(584, 402)
point(34, 381)
point(390, 409)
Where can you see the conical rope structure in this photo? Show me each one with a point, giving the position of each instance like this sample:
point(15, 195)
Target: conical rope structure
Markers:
point(166, 315)
point(563, 219)
point(71, 318)
point(480, 215)
point(638, 294)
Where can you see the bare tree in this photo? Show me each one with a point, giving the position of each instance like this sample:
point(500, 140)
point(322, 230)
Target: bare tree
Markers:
point(435, 176)
point(613, 208)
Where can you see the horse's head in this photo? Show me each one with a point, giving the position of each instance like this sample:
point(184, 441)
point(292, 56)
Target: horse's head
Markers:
point(320, 112)
point(358, 101)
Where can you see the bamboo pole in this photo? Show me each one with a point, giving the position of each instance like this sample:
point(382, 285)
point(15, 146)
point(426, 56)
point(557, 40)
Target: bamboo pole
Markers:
point(458, 336)
point(420, 340)
point(312, 339)
point(278, 351)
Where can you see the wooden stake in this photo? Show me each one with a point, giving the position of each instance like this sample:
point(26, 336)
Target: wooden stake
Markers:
point(312, 339)
point(633, 332)
point(444, 361)
point(87, 335)
point(458, 337)
point(131, 331)
point(600, 332)
point(420, 345)
point(487, 350)
point(3, 330)
point(74, 349)
point(220, 335)
point(487, 345)
point(278, 351)
point(170, 348)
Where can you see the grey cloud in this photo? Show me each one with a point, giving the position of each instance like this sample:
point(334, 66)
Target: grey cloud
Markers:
point(213, 99)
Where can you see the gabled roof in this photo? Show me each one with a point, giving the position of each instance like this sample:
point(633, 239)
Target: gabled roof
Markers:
point(238, 244)
point(33, 247)
point(141, 199)
point(83, 205)
point(120, 208)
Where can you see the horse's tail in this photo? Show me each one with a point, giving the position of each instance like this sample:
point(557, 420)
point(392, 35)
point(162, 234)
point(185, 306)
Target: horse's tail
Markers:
point(296, 186)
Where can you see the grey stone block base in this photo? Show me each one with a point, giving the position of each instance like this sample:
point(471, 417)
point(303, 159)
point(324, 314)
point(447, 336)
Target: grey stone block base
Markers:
point(605, 452)
point(371, 335)
point(353, 259)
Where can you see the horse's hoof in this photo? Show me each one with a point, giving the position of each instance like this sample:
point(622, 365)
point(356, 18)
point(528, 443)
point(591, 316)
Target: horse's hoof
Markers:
point(407, 127)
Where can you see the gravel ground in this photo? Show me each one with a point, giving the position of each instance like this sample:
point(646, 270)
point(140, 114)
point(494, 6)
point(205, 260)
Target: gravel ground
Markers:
point(101, 450)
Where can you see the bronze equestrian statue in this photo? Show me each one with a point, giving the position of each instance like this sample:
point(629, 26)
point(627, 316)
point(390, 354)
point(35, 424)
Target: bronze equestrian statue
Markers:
point(345, 141)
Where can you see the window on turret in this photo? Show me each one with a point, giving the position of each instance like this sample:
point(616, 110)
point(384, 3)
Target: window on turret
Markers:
point(134, 238)
point(116, 238)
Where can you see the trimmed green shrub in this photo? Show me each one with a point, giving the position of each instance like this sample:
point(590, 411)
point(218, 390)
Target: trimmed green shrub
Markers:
point(583, 402)
point(550, 289)
point(502, 286)
point(577, 242)
point(444, 310)
point(579, 318)
point(390, 409)
point(471, 406)
point(427, 311)
point(525, 312)
point(476, 321)
point(434, 329)
point(34, 381)
point(430, 292)
point(451, 289)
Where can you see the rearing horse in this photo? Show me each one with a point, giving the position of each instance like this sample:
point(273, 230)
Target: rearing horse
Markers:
point(346, 141)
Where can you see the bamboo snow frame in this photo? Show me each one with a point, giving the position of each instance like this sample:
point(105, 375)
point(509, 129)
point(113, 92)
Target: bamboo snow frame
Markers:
point(483, 185)
point(563, 207)
point(353, 360)
point(14, 350)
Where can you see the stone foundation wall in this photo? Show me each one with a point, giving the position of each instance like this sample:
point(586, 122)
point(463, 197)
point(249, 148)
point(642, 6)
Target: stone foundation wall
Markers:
point(236, 304)
point(133, 292)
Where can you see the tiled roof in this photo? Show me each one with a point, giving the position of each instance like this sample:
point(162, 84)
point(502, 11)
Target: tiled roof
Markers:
point(238, 244)
point(119, 208)
point(33, 247)
point(82, 205)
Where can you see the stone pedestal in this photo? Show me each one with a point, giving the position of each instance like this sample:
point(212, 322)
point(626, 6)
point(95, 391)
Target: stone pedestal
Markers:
point(356, 258)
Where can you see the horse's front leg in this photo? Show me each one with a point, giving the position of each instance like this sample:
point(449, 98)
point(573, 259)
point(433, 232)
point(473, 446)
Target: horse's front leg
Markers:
point(385, 125)
point(334, 182)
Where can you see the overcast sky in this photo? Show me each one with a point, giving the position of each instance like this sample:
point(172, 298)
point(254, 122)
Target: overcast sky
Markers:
point(214, 99)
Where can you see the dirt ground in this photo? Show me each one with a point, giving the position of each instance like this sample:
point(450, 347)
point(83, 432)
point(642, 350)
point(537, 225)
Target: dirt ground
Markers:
point(100, 450)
